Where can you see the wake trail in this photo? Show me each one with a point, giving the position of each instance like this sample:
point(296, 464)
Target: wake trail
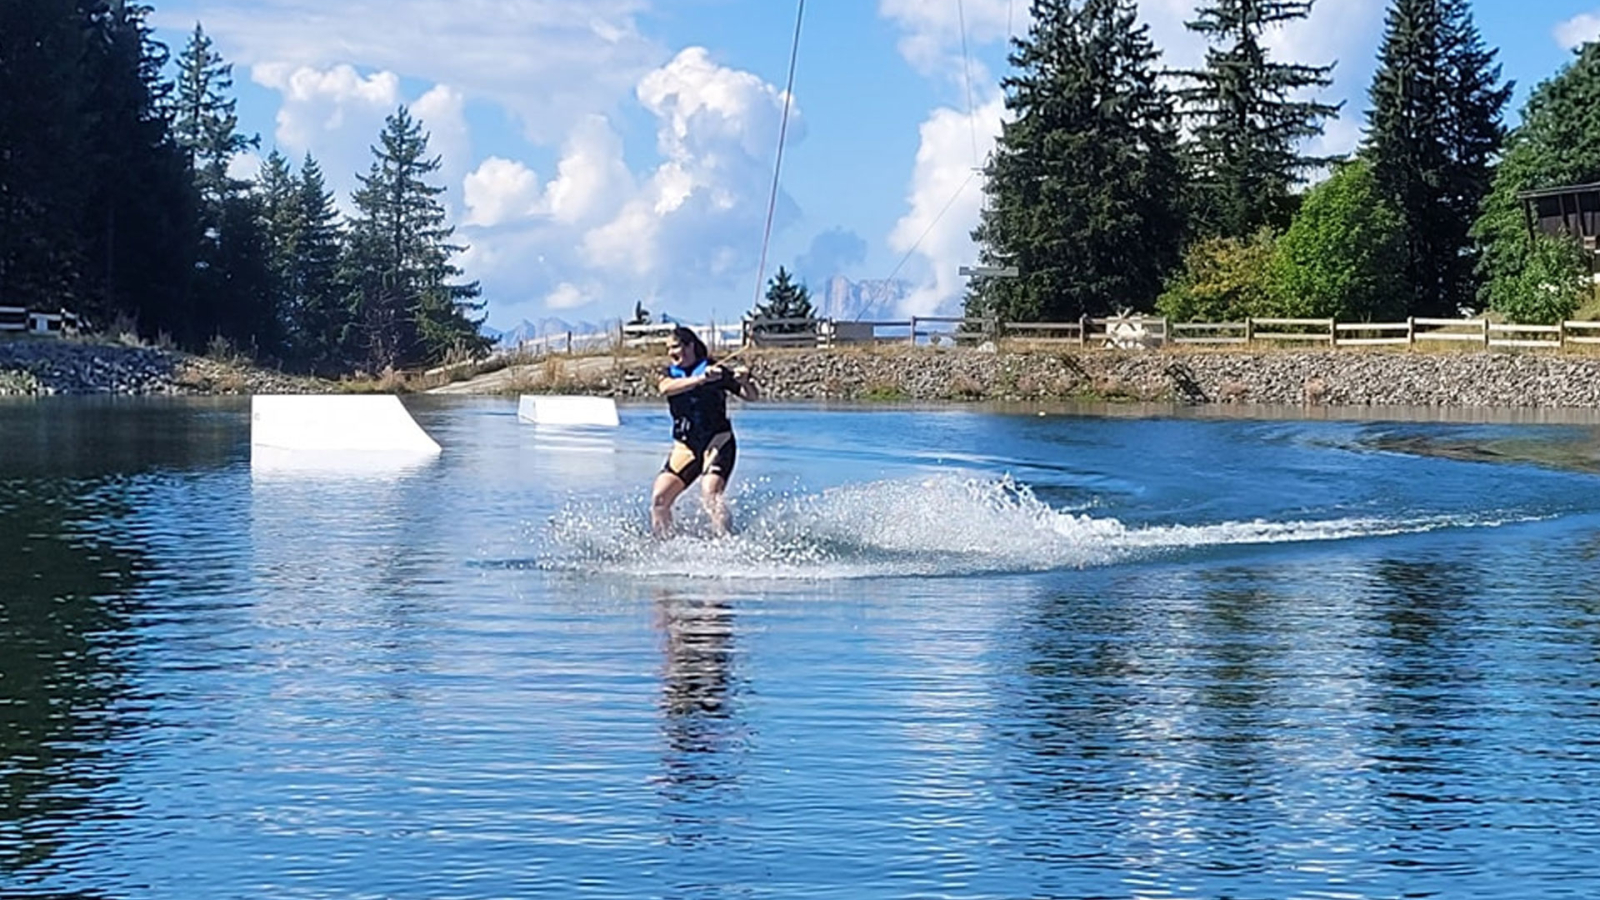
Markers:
point(939, 526)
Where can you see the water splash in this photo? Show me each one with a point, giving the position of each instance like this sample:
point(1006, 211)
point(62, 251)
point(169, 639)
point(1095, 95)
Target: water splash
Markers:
point(940, 526)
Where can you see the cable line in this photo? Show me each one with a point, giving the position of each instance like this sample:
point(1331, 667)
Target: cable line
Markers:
point(966, 69)
point(777, 166)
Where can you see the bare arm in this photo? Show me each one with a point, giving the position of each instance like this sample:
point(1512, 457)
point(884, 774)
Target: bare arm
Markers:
point(670, 386)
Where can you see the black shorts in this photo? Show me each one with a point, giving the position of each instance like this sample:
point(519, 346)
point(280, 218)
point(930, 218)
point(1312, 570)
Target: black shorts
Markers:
point(715, 456)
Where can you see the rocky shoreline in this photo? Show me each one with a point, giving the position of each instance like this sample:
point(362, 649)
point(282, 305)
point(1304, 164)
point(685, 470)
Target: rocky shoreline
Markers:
point(1449, 378)
point(56, 367)
point(1374, 378)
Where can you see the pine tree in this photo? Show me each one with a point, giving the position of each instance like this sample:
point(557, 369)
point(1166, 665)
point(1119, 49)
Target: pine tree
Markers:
point(322, 314)
point(1557, 144)
point(1246, 122)
point(1433, 130)
point(1084, 186)
point(282, 226)
point(44, 137)
point(408, 312)
point(140, 217)
point(785, 300)
point(230, 295)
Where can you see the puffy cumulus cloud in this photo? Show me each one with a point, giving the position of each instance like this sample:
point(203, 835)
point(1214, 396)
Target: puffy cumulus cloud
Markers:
point(605, 236)
point(499, 191)
point(945, 199)
point(550, 62)
point(933, 32)
point(1578, 30)
point(592, 178)
point(704, 106)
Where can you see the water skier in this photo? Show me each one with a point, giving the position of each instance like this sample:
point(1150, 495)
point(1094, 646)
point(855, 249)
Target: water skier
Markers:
point(697, 389)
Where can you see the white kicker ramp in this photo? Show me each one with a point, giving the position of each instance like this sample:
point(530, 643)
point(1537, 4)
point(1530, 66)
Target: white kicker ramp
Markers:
point(336, 422)
point(560, 409)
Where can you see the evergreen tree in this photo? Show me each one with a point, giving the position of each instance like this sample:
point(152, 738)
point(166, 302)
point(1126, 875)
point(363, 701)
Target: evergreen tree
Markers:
point(1084, 184)
point(230, 294)
point(1433, 130)
point(141, 206)
point(322, 311)
point(407, 310)
point(44, 138)
point(785, 300)
point(282, 227)
point(1246, 120)
point(1557, 144)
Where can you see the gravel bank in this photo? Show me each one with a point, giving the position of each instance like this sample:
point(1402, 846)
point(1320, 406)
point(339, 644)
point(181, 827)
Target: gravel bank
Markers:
point(56, 367)
point(1331, 378)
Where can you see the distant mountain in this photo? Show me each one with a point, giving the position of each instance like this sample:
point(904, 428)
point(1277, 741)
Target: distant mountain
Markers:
point(548, 326)
point(841, 298)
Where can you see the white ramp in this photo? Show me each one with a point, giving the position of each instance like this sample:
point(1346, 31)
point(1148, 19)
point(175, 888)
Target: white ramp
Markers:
point(342, 422)
point(563, 409)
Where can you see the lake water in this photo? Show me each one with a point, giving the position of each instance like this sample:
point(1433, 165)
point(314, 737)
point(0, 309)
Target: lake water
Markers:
point(951, 652)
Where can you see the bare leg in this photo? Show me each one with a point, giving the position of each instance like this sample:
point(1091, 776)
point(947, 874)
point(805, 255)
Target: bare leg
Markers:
point(711, 495)
point(666, 490)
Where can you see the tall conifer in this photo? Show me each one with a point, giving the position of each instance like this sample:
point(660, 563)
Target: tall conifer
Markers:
point(1249, 117)
point(1433, 130)
point(1083, 188)
point(408, 310)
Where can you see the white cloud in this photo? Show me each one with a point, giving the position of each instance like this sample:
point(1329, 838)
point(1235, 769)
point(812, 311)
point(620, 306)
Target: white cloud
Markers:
point(499, 191)
point(933, 32)
point(592, 178)
point(945, 199)
point(1578, 30)
point(550, 62)
point(566, 296)
point(606, 237)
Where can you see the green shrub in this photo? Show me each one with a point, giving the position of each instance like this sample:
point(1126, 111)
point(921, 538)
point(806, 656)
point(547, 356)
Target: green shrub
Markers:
point(1223, 280)
point(1344, 256)
point(1552, 283)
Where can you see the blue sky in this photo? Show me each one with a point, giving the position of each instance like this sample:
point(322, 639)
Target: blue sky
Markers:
point(599, 152)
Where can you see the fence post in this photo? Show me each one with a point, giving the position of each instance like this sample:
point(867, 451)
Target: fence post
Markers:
point(913, 331)
point(1333, 332)
point(1486, 331)
point(1083, 330)
point(1249, 331)
point(569, 343)
point(1411, 331)
point(1561, 334)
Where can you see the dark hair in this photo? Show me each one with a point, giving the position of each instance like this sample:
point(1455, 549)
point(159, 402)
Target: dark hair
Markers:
point(683, 334)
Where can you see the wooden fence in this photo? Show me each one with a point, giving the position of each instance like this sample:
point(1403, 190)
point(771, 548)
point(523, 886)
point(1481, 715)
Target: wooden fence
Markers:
point(1148, 331)
point(1111, 332)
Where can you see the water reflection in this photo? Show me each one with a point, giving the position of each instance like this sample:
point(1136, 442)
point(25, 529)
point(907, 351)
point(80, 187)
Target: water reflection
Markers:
point(64, 687)
point(705, 737)
point(79, 437)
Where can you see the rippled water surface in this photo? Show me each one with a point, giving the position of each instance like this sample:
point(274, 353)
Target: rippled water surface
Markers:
point(949, 653)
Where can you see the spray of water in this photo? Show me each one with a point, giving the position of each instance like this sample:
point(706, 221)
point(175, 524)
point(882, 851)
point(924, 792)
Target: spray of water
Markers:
point(937, 526)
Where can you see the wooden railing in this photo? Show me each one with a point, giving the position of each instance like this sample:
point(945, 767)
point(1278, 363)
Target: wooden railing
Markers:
point(1111, 332)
